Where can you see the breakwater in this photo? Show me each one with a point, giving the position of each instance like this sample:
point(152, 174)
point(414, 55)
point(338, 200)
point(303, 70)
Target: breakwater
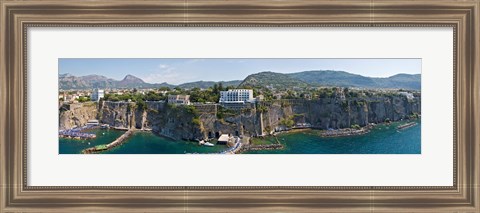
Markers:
point(407, 125)
point(261, 147)
point(103, 147)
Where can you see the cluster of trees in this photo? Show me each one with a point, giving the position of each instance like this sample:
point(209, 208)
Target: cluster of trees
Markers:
point(414, 116)
point(82, 99)
point(288, 122)
point(267, 93)
point(355, 126)
point(211, 94)
point(224, 112)
point(135, 96)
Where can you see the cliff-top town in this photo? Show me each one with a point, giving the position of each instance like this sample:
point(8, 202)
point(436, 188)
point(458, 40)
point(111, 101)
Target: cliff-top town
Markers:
point(232, 115)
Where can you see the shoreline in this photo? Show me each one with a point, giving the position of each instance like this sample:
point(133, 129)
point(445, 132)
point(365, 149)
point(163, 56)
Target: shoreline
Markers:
point(270, 144)
point(345, 132)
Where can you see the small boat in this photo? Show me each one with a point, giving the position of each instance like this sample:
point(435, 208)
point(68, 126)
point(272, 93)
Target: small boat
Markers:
point(208, 144)
point(202, 142)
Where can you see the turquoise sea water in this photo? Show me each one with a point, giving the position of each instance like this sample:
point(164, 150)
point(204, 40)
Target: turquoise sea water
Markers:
point(148, 143)
point(138, 143)
point(73, 146)
point(383, 139)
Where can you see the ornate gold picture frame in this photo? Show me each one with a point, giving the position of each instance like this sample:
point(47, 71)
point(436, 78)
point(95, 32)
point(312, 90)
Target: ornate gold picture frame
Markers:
point(17, 16)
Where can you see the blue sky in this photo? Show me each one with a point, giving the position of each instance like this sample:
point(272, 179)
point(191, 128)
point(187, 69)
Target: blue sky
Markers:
point(177, 71)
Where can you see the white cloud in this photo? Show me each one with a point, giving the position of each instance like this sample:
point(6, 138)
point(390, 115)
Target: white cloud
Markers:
point(166, 73)
point(163, 66)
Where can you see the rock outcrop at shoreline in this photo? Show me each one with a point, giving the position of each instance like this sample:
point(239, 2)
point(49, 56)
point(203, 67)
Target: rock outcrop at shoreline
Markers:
point(345, 132)
point(72, 115)
point(203, 121)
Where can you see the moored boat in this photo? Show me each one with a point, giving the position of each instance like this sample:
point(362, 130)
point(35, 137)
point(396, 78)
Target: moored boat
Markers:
point(208, 144)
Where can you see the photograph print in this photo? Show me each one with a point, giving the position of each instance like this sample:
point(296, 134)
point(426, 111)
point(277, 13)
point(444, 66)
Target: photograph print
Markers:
point(239, 106)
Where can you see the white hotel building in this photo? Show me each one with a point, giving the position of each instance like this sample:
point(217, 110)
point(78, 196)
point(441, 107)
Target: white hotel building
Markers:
point(236, 96)
point(97, 94)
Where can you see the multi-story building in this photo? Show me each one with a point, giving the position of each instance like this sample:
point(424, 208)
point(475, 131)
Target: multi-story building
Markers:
point(236, 96)
point(97, 94)
point(179, 99)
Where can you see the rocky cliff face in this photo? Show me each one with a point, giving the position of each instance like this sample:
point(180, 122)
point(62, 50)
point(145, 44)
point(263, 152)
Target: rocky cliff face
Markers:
point(76, 115)
point(245, 123)
point(338, 113)
point(198, 122)
point(178, 122)
point(118, 114)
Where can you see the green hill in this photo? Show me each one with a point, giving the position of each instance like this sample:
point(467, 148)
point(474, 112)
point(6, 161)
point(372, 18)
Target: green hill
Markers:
point(345, 79)
point(333, 78)
point(207, 84)
point(277, 80)
point(400, 81)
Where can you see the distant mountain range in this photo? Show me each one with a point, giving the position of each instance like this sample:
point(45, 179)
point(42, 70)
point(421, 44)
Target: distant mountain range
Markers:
point(207, 84)
point(262, 79)
point(345, 79)
point(67, 81)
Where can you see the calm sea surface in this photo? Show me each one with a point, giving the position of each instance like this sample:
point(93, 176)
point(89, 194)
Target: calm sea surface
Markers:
point(383, 139)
